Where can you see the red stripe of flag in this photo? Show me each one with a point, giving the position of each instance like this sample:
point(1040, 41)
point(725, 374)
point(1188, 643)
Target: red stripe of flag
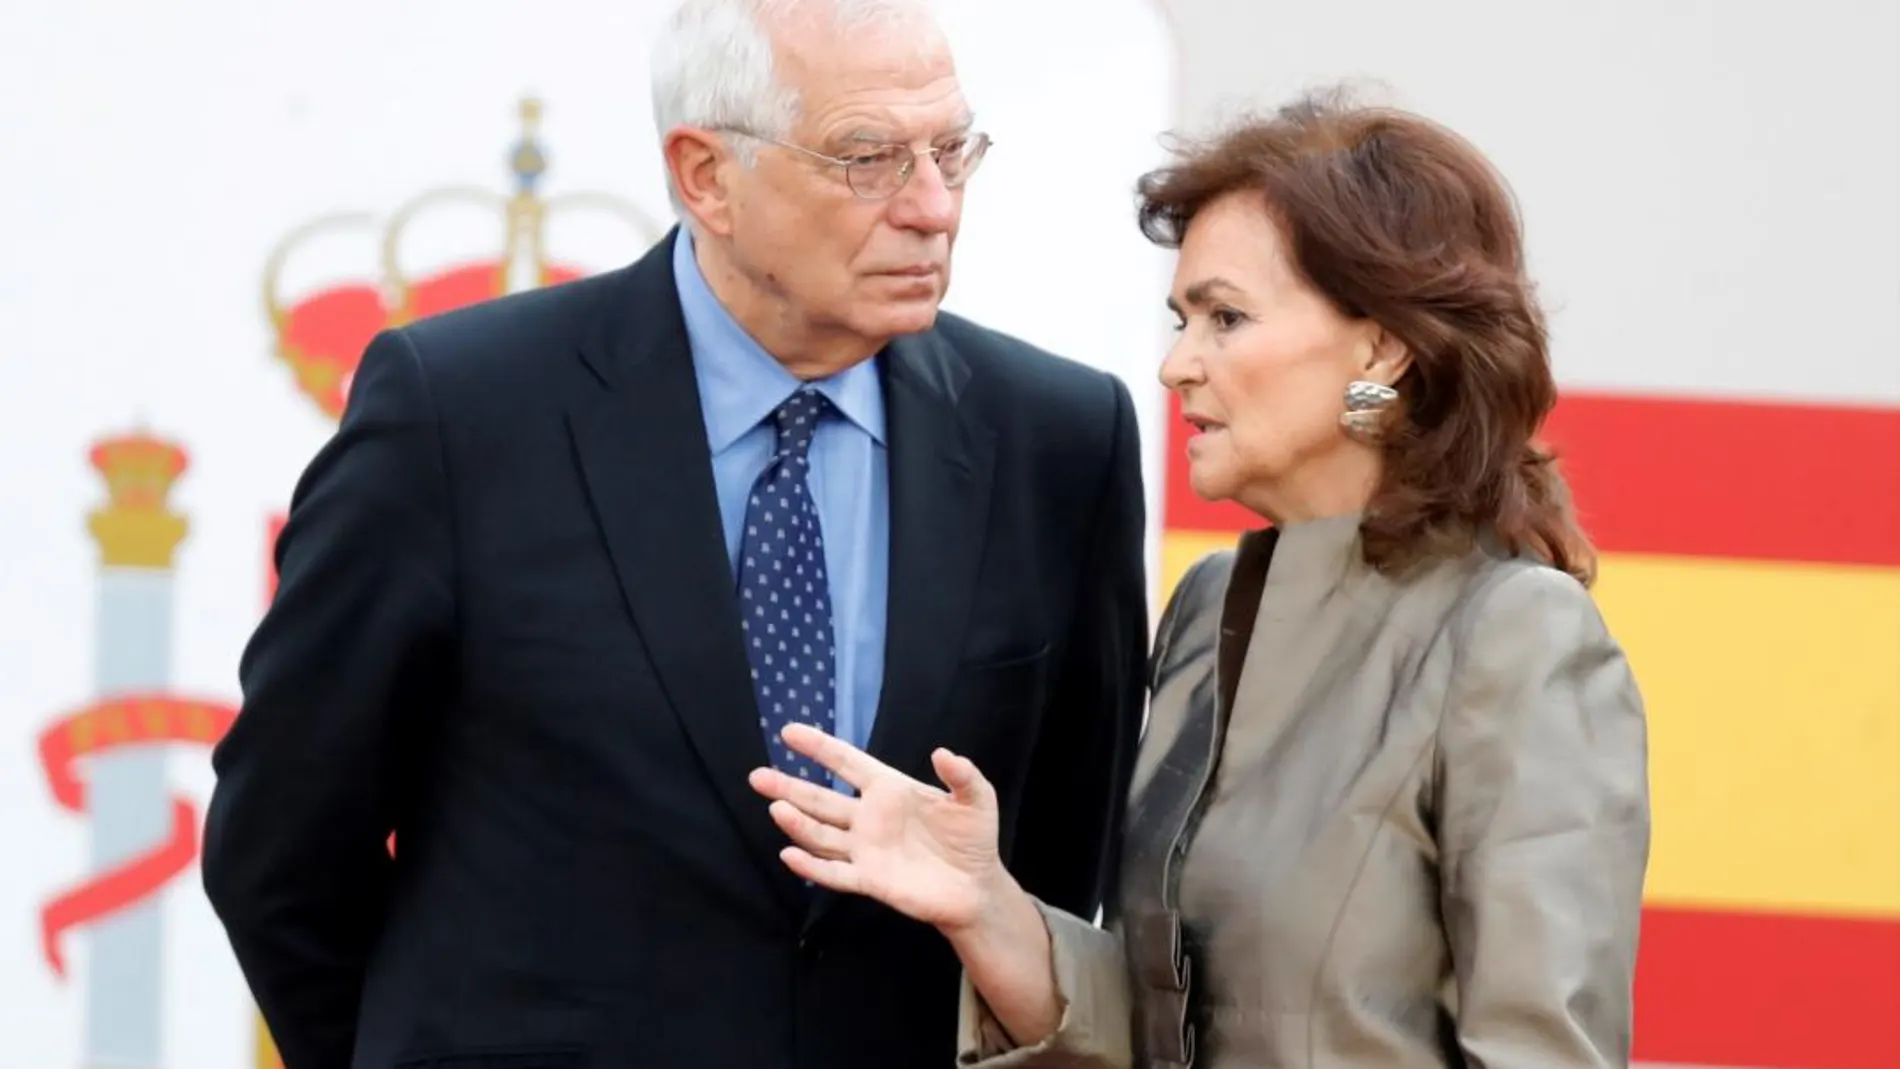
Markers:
point(1768, 481)
point(1743, 989)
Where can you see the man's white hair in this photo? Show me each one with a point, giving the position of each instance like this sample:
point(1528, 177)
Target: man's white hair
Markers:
point(712, 64)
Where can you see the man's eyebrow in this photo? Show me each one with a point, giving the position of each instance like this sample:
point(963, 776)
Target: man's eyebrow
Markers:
point(871, 135)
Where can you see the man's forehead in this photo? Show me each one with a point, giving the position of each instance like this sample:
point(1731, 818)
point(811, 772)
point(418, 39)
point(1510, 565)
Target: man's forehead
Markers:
point(871, 83)
point(821, 44)
point(878, 127)
point(866, 57)
point(859, 106)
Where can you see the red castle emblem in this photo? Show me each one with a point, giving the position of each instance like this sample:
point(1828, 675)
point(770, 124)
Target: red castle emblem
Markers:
point(321, 335)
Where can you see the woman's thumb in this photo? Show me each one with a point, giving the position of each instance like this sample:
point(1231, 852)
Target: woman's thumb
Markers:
point(960, 774)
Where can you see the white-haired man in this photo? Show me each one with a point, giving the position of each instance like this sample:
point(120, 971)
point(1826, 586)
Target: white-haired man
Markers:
point(575, 556)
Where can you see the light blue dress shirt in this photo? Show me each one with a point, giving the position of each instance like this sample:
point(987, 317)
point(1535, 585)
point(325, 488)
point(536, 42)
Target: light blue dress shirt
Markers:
point(739, 386)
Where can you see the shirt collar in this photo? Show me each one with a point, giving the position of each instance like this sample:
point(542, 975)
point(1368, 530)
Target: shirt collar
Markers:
point(739, 382)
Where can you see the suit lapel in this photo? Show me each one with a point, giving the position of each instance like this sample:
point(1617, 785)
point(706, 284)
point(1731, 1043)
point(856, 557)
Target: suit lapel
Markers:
point(1317, 599)
point(941, 475)
point(641, 444)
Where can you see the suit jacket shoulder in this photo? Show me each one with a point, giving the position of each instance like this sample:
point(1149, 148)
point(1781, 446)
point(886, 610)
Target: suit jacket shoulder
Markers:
point(507, 348)
point(1022, 380)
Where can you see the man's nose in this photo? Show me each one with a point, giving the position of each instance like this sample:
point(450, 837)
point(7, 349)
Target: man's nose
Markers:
point(925, 203)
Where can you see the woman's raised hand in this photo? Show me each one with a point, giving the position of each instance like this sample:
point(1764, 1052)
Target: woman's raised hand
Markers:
point(926, 852)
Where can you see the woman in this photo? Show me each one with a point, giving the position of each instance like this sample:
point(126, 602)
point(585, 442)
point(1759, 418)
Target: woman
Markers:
point(1391, 807)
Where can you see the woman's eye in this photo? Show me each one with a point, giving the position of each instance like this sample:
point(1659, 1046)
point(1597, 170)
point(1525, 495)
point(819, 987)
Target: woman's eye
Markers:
point(1226, 318)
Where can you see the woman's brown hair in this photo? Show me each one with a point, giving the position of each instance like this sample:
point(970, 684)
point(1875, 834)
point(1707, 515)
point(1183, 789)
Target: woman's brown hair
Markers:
point(1396, 219)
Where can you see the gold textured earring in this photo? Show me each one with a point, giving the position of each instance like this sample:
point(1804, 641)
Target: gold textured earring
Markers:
point(1366, 404)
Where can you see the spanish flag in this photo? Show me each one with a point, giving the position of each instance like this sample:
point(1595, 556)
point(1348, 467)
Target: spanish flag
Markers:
point(1751, 570)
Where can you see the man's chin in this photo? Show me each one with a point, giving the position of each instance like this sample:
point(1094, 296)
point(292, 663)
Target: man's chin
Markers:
point(900, 318)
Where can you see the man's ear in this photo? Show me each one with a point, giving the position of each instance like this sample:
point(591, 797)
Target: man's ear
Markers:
point(698, 162)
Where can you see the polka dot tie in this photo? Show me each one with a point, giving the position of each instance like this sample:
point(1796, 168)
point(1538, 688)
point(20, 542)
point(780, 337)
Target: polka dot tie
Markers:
point(784, 598)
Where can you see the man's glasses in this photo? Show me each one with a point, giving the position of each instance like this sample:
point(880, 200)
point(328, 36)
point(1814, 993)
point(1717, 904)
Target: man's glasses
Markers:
point(878, 173)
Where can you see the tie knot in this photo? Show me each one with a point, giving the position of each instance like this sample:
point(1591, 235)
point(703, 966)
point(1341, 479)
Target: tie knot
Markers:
point(797, 421)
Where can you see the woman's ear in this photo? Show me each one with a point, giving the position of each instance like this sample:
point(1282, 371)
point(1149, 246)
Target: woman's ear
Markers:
point(1384, 357)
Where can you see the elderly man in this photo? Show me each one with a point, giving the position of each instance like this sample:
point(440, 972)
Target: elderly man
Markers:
point(575, 557)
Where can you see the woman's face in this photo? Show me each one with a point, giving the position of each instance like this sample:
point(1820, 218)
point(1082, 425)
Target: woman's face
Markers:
point(1261, 367)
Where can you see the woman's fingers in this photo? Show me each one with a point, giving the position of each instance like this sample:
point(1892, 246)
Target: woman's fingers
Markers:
point(835, 875)
point(820, 802)
point(815, 836)
point(851, 764)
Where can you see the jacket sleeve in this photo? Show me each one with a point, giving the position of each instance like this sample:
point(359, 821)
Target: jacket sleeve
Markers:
point(1097, 1017)
point(1544, 829)
point(340, 671)
point(1090, 963)
point(1064, 844)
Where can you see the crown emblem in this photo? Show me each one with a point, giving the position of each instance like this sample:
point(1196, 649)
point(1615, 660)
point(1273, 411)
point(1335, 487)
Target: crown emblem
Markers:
point(139, 470)
point(136, 527)
point(321, 334)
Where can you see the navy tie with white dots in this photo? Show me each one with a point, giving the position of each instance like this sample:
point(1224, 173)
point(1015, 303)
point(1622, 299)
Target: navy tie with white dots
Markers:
point(784, 598)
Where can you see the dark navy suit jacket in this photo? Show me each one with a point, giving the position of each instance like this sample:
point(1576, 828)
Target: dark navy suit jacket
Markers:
point(506, 631)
